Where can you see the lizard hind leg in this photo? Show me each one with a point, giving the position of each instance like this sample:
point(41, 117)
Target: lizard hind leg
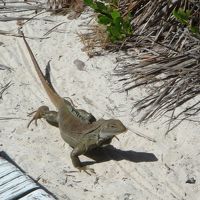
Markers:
point(39, 113)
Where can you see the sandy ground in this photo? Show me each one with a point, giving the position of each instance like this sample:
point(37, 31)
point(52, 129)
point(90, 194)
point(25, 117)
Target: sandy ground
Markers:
point(133, 168)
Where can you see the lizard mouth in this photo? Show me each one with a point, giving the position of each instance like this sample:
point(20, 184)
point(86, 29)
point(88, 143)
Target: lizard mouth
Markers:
point(122, 130)
point(106, 135)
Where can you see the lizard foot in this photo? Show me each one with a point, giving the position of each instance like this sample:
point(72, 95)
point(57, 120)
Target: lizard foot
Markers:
point(86, 169)
point(39, 113)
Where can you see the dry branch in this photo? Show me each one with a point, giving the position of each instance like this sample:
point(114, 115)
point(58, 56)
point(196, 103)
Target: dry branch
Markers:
point(4, 88)
point(164, 57)
point(171, 69)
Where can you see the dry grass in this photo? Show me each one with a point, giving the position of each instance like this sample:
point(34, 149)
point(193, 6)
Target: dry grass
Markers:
point(165, 58)
point(171, 67)
point(95, 40)
point(63, 7)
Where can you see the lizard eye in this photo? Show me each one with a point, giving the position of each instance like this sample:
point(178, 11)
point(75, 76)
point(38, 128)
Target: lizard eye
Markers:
point(112, 126)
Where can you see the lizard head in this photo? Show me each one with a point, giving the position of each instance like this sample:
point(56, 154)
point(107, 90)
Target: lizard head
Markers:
point(111, 128)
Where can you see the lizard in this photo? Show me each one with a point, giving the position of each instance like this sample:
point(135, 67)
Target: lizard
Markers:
point(81, 135)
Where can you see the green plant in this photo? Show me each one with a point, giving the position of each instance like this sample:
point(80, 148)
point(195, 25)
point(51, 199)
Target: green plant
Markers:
point(117, 26)
point(184, 17)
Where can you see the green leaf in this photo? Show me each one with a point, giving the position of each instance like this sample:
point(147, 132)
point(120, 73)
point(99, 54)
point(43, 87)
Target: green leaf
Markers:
point(101, 6)
point(90, 3)
point(117, 27)
point(117, 24)
point(182, 16)
point(194, 29)
point(115, 14)
point(102, 19)
point(114, 32)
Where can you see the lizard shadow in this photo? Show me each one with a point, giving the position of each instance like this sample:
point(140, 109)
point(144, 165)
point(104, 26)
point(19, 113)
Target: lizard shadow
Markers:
point(111, 153)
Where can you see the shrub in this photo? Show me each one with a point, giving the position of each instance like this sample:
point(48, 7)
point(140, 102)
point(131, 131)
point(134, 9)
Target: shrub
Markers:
point(117, 26)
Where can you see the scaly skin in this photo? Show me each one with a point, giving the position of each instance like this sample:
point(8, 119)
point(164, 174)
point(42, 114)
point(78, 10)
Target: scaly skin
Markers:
point(77, 127)
point(82, 115)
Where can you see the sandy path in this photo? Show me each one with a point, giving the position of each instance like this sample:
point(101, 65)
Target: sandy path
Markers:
point(134, 168)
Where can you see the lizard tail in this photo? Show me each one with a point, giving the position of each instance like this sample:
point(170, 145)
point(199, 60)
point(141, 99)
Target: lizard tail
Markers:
point(54, 97)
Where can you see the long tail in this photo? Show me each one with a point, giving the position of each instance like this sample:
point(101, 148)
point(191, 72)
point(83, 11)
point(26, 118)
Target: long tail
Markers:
point(54, 97)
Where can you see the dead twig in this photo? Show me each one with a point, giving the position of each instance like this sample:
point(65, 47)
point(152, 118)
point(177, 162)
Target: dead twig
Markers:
point(4, 88)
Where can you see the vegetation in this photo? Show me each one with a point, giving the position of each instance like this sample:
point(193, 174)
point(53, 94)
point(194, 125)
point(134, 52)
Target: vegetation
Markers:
point(118, 27)
point(164, 59)
point(185, 18)
point(166, 36)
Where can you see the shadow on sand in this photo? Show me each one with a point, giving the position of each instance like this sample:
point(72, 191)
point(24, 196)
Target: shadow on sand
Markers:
point(111, 153)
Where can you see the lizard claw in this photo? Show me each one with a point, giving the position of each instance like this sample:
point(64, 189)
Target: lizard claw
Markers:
point(39, 113)
point(86, 169)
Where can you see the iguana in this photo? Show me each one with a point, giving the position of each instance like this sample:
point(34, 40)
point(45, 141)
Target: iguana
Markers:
point(75, 126)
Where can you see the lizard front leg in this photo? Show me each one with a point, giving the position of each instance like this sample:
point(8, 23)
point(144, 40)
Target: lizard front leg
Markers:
point(52, 116)
point(77, 151)
point(44, 112)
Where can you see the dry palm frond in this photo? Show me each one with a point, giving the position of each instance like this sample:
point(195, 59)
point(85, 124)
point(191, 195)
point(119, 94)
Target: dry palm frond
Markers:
point(168, 58)
point(4, 88)
point(164, 55)
point(63, 7)
point(4, 67)
point(20, 11)
point(94, 41)
point(20, 6)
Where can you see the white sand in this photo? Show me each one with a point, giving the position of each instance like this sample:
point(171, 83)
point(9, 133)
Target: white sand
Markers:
point(41, 152)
